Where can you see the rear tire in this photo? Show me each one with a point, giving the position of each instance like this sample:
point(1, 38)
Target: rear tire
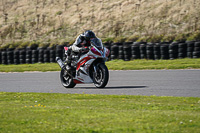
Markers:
point(66, 80)
point(101, 77)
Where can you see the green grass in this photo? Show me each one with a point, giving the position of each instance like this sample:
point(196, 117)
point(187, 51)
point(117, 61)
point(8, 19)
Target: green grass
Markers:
point(113, 65)
point(30, 67)
point(154, 64)
point(41, 112)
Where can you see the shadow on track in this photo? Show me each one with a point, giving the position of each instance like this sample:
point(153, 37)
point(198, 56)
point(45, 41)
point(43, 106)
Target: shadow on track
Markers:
point(114, 87)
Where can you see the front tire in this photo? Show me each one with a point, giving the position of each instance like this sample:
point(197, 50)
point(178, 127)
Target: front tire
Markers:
point(66, 80)
point(101, 77)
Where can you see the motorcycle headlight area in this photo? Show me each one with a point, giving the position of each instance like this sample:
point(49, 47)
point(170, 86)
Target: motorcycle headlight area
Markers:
point(95, 51)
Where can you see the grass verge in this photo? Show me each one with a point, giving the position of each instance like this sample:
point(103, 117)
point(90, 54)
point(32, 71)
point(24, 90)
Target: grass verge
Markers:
point(113, 65)
point(154, 64)
point(30, 67)
point(41, 112)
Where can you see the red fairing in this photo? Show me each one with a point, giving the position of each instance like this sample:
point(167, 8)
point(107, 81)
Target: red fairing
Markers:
point(77, 81)
point(95, 51)
point(66, 48)
point(83, 61)
point(107, 52)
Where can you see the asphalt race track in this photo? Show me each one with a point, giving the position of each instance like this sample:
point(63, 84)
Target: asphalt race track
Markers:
point(135, 82)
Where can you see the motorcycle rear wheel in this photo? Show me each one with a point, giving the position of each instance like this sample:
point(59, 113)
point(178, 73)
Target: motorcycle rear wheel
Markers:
point(66, 80)
point(101, 77)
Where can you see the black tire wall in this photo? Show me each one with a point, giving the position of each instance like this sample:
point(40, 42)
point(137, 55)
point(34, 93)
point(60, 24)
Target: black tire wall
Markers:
point(0, 58)
point(22, 56)
point(164, 50)
point(156, 51)
point(28, 55)
point(150, 51)
point(135, 50)
point(173, 51)
point(190, 49)
point(4, 57)
point(59, 51)
point(115, 50)
point(16, 57)
point(196, 53)
point(124, 51)
point(34, 56)
point(127, 50)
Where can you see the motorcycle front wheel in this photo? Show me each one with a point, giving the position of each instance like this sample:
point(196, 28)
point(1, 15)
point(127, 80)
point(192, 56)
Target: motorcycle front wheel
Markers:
point(66, 80)
point(101, 77)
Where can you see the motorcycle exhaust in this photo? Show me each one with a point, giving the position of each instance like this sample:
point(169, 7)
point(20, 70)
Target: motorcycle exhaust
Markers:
point(62, 65)
point(60, 62)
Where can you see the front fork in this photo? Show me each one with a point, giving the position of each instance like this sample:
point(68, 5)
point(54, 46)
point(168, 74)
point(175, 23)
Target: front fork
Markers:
point(96, 68)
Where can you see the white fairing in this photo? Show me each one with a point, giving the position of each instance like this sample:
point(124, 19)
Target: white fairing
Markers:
point(84, 63)
point(83, 77)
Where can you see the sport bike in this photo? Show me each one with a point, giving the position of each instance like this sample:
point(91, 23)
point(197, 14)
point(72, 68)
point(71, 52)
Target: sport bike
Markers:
point(88, 67)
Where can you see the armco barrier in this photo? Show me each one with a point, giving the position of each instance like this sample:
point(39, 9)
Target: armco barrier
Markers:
point(125, 51)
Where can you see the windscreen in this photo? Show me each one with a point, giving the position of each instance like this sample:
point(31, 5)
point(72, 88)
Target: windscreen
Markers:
point(97, 43)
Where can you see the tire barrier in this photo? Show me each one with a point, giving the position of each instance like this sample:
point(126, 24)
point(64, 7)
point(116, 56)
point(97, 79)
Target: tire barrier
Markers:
point(34, 56)
point(46, 56)
point(135, 50)
point(0, 57)
point(124, 51)
point(150, 51)
point(22, 56)
point(156, 51)
point(59, 51)
point(121, 52)
point(52, 55)
point(143, 54)
point(182, 50)
point(41, 55)
point(127, 50)
point(164, 50)
point(196, 53)
point(173, 50)
point(16, 57)
point(4, 57)
point(114, 50)
point(190, 49)
point(10, 59)
point(28, 55)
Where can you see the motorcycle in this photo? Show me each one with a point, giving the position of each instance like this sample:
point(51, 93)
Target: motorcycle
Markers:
point(89, 68)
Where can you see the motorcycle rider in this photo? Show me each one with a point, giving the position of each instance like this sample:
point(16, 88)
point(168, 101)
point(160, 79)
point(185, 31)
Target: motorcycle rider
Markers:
point(82, 41)
point(81, 44)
